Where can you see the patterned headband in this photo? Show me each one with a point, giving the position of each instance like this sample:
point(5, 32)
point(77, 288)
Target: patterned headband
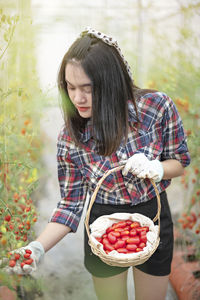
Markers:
point(108, 40)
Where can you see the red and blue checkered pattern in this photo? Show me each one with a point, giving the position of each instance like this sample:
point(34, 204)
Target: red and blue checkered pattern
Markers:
point(159, 135)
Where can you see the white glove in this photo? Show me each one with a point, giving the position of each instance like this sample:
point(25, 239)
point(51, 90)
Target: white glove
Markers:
point(36, 251)
point(142, 167)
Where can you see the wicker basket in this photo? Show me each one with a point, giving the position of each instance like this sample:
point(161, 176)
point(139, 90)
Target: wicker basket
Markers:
point(124, 260)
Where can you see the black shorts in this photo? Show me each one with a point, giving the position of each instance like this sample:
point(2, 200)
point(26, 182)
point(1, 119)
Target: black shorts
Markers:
point(159, 264)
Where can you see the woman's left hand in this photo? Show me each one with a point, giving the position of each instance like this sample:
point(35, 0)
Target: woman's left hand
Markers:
point(142, 167)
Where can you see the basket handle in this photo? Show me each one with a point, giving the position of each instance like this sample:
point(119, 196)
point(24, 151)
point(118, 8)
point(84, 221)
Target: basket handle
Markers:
point(107, 173)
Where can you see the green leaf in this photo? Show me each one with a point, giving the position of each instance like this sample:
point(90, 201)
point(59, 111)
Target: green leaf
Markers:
point(9, 20)
point(20, 92)
point(1, 186)
point(3, 18)
point(5, 37)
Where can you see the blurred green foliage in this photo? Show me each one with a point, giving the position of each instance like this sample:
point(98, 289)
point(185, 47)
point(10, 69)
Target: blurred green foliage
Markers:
point(175, 70)
point(21, 101)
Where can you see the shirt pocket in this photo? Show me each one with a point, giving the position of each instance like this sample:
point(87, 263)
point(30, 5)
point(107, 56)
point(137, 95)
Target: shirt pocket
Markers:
point(155, 149)
point(94, 171)
point(138, 142)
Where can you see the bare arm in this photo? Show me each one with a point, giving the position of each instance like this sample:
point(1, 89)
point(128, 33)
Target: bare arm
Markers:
point(172, 168)
point(52, 234)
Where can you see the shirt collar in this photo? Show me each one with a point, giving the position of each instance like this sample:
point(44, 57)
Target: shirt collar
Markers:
point(87, 134)
point(132, 117)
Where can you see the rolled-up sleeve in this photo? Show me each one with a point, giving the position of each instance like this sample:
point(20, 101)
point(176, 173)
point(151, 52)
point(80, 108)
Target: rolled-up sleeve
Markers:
point(174, 138)
point(73, 189)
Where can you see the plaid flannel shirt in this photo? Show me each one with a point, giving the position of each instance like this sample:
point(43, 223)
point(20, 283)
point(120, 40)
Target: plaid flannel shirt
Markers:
point(160, 135)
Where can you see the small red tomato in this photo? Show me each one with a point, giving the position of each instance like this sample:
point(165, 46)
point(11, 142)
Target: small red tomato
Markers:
point(109, 247)
point(105, 241)
point(22, 264)
point(142, 245)
point(28, 251)
point(24, 238)
point(129, 222)
point(146, 228)
point(17, 256)
point(120, 244)
point(135, 225)
point(133, 240)
point(138, 249)
point(122, 250)
point(116, 233)
point(143, 238)
point(21, 226)
point(139, 229)
point(125, 232)
point(28, 226)
point(104, 236)
point(109, 229)
point(143, 233)
point(131, 247)
point(112, 239)
point(7, 218)
point(12, 263)
point(127, 228)
point(27, 255)
point(28, 261)
point(120, 224)
point(11, 226)
point(133, 232)
point(119, 229)
point(125, 237)
point(113, 226)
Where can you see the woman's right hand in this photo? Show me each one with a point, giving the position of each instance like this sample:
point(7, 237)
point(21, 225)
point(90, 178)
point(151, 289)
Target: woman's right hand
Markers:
point(24, 260)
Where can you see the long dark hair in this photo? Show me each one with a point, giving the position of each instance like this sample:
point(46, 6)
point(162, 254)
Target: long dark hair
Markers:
point(112, 87)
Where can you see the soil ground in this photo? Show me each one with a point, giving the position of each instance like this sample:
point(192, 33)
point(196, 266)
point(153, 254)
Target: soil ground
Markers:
point(62, 273)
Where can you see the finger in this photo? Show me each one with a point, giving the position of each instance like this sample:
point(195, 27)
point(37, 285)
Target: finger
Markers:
point(8, 270)
point(126, 169)
point(135, 164)
point(3, 261)
point(27, 269)
point(142, 175)
point(21, 251)
point(17, 270)
point(154, 176)
point(137, 171)
point(134, 170)
point(122, 162)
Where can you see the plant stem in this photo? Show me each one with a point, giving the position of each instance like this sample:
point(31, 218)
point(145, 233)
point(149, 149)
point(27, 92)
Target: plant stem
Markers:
point(7, 208)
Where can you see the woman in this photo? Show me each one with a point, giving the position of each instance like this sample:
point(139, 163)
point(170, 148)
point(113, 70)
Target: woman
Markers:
point(109, 121)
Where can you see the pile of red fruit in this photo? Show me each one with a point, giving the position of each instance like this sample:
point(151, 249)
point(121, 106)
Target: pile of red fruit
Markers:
point(22, 259)
point(124, 237)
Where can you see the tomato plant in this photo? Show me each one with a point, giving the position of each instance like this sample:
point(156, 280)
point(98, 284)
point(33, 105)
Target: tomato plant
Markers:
point(20, 142)
point(176, 71)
